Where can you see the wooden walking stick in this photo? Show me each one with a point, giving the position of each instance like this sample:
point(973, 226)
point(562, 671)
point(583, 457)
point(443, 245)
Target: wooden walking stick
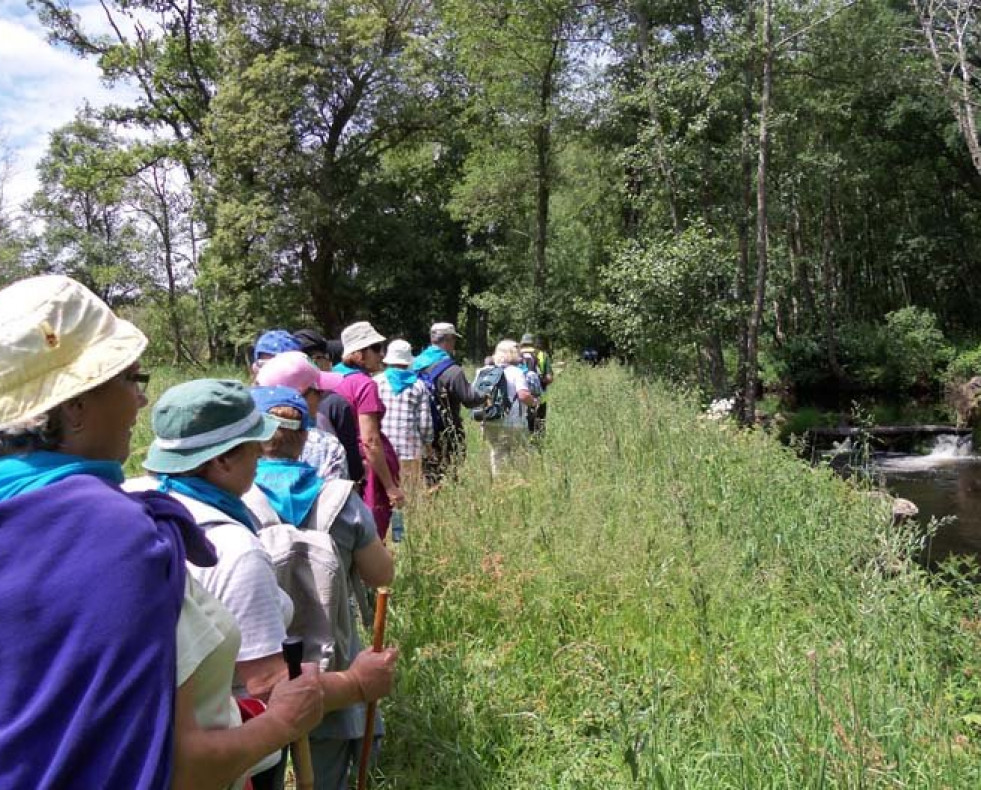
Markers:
point(378, 642)
point(302, 761)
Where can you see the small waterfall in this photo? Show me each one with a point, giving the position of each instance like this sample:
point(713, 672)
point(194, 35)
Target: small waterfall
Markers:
point(950, 445)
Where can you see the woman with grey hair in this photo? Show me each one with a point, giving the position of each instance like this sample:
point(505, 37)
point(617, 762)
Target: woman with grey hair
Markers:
point(510, 432)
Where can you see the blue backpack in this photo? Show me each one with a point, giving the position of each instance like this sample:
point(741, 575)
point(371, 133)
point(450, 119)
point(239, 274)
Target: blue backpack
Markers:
point(493, 385)
point(429, 377)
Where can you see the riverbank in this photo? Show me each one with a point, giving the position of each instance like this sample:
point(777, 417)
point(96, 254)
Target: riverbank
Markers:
point(664, 601)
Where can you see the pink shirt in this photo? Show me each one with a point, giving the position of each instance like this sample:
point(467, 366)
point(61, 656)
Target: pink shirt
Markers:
point(361, 391)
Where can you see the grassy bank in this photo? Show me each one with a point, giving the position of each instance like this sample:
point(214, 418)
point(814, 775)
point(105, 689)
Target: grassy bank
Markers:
point(661, 602)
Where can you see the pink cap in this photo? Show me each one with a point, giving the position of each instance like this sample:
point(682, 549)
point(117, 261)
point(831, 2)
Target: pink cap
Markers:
point(294, 369)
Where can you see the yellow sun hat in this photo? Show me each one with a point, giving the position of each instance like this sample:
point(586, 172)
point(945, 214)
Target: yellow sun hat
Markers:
point(57, 340)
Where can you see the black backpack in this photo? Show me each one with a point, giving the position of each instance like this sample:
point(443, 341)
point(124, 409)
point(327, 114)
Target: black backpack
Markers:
point(493, 385)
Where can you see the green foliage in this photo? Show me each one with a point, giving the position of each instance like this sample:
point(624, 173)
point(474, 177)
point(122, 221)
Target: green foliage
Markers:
point(669, 283)
point(964, 366)
point(672, 604)
point(916, 350)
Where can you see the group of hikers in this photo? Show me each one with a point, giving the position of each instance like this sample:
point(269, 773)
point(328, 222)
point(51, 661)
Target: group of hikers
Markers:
point(142, 620)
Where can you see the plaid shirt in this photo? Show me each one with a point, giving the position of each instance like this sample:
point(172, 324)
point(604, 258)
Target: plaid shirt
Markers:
point(407, 423)
point(326, 454)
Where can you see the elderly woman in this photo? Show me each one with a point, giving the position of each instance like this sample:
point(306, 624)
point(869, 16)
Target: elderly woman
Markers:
point(92, 579)
point(205, 453)
point(362, 358)
point(94, 618)
point(408, 421)
point(509, 433)
point(336, 526)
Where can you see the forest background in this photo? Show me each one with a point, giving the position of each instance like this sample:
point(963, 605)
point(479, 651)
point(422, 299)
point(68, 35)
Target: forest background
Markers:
point(743, 191)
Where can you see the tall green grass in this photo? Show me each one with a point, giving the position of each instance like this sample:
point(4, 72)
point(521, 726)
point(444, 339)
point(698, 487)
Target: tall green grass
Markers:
point(660, 601)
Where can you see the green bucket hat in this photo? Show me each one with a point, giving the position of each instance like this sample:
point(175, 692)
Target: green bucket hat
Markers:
point(201, 419)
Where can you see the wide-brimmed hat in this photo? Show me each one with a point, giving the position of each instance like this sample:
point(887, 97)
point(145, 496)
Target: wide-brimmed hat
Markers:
point(274, 342)
point(267, 398)
point(58, 340)
point(359, 336)
point(201, 419)
point(442, 329)
point(295, 369)
point(527, 339)
point(399, 353)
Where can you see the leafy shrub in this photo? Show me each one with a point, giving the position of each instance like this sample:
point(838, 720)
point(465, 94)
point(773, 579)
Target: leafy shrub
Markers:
point(964, 366)
point(916, 349)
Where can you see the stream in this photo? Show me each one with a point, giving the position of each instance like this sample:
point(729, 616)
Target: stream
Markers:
point(945, 482)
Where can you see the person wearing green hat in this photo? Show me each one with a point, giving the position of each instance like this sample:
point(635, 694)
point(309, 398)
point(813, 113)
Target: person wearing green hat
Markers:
point(204, 455)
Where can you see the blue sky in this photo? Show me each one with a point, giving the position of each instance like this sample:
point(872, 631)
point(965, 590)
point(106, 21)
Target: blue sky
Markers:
point(41, 87)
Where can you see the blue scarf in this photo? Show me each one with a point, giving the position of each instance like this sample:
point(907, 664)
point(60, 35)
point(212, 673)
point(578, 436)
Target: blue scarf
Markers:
point(400, 380)
point(429, 357)
point(203, 491)
point(345, 370)
point(291, 487)
point(20, 474)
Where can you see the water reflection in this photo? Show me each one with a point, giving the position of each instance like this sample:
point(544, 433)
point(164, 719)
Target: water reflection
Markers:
point(944, 483)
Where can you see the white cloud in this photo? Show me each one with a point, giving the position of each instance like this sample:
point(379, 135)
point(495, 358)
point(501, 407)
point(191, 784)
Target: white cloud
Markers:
point(41, 88)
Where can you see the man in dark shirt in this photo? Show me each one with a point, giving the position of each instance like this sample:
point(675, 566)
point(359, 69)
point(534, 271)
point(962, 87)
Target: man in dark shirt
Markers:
point(334, 414)
point(454, 392)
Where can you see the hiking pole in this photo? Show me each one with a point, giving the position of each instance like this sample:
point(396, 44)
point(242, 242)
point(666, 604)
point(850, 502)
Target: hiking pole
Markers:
point(302, 761)
point(378, 642)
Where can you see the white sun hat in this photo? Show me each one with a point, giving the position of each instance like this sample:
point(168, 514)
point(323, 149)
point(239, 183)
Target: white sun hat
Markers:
point(58, 340)
point(399, 353)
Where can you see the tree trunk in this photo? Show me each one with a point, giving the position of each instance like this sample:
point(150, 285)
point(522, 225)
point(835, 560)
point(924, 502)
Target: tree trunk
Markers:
point(543, 146)
point(762, 220)
point(743, 378)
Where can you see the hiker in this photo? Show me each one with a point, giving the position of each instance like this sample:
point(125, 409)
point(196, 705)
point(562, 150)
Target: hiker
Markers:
point(538, 361)
point(334, 414)
point(92, 579)
point(362, 358)
point(204, 454)
point(333, 553)
point(269, 344)
point(452, 391)
point(294, 369)
point(408, 421)
point(509, 433)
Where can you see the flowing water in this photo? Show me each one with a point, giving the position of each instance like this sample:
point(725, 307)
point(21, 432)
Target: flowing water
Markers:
point(945, 482)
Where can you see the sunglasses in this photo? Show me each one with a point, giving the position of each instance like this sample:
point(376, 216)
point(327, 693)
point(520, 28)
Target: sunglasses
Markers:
point(377, 348)
point(139, 378)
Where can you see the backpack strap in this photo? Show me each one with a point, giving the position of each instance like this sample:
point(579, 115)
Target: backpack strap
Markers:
point(333, 497)
point(438, 370)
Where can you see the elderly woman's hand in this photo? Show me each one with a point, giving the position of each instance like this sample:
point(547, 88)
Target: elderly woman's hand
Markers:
point(298, 703)
point(374, 672)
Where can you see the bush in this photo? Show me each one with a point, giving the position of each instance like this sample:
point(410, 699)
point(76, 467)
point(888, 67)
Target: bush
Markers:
point(964, 366)
point(916, 349)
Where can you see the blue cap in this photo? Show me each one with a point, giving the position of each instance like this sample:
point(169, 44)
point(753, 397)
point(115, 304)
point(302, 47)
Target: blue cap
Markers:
point(267, 398)
point(274, 342)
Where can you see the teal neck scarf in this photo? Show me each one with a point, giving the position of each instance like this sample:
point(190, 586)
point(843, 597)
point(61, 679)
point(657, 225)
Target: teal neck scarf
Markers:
point(429, 357)
point(20, 474)
point(291, 487)
point(400, 380)
point(203, 491)
point(345, 370)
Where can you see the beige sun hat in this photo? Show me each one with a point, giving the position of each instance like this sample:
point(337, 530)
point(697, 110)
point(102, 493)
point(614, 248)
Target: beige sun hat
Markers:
point(359, 336)
point(57, 340)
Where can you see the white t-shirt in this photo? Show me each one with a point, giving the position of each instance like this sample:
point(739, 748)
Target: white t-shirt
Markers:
point(517, 382)
point(207, 644)
point(243, 580)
